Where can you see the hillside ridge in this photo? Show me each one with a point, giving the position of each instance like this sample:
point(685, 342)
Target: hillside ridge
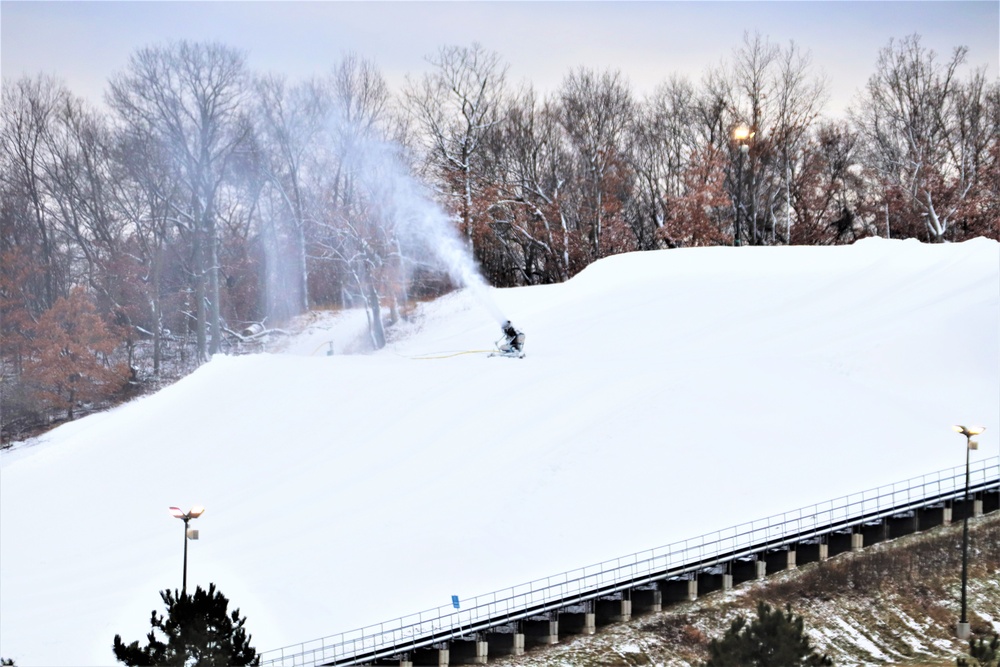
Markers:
point(664, 395)
point(893, 603)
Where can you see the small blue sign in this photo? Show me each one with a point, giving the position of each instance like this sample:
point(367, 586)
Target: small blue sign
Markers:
point(454, 601)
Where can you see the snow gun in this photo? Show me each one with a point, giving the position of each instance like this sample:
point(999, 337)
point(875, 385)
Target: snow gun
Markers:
point(512, 342)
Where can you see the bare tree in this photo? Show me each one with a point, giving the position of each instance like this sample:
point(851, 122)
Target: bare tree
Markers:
point(29, 110)
point(80, 181)
point(191, 97)
point(775, 94)
point(147, 190)
point(927, 134)
point(292, 123)
point(532, 164)
point(360, 183)
point(713, 112)
point(596, 110)
point(456, 106)
point(664, 139)
point(827, 195)
point(800, 98)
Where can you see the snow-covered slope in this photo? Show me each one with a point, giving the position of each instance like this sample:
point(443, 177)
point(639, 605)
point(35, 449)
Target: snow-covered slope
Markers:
point(664, 395)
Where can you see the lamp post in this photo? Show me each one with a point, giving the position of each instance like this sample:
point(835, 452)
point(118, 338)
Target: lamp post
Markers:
point(963, 630)
point(189, 534)
point(741, 133)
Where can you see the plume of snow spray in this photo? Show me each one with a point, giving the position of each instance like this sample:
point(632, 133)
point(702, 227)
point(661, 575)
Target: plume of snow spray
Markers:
point(405, 209)
point(420, 223)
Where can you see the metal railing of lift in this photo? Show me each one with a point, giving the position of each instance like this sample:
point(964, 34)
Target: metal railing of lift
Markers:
point(533, 598)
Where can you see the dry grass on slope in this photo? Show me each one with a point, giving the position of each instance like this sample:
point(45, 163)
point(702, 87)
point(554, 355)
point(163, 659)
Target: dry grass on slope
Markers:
point(895, 603)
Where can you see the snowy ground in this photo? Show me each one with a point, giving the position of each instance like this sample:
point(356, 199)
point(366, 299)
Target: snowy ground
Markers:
point(664, 395)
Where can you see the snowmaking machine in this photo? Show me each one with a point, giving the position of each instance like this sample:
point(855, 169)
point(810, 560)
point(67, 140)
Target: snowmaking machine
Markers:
point(511, 344)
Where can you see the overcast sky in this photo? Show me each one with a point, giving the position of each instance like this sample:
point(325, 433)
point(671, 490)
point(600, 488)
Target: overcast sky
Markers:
point(84, 43)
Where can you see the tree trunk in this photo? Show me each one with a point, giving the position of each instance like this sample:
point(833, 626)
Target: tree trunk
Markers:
point(213, 284)
point(375, 324)
point(201, 318)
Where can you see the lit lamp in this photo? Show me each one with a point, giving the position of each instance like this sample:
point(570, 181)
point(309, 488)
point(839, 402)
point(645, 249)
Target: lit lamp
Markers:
point(963, 630)
point(741, 133)
point(189, 534)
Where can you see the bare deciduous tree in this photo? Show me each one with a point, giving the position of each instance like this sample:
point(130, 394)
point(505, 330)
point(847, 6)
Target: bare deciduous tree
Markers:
point(29, 108)
point(456, 107)
point(596, 110)
point(664, 139)
point(531, 232)
point(190, 97)
point(800, 98)
point(293, 122)
point(927, 134)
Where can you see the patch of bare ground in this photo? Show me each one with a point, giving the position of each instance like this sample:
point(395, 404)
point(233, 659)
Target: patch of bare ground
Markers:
point(894, 603)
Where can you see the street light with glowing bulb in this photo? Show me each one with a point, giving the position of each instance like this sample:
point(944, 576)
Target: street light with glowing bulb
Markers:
point(189, 534)
point(741, 134)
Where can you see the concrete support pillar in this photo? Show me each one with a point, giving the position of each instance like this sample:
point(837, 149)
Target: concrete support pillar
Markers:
point(761, 568)
point(647, 600)
point(727, 582)
point(578, 623)
point(544, 633)
point(469, 652)
point(614, 611)
point(506, 644)
point(441, 657)
point(482, 652)
point(977, 507)
point(824, 551)
point(945, 516)
point(790, 563)
point(692, 589)
point(553, 635)
point(857, 541)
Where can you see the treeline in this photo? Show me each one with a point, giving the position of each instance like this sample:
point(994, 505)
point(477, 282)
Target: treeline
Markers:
point(204, 203)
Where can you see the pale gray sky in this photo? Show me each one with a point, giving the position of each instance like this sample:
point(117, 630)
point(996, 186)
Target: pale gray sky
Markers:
point(85, 42)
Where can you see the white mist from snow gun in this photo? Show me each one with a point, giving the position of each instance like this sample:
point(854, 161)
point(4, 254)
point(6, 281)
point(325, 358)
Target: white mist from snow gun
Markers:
point(413, 225)
point(419, 221)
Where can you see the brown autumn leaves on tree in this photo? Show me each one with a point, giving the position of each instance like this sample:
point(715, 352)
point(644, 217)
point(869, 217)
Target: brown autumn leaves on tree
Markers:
point(186, 228)
point(67, 356)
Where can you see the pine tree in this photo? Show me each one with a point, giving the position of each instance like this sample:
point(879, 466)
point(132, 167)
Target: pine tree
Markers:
point(773, 639)
point(199, 632)
point(982, 653)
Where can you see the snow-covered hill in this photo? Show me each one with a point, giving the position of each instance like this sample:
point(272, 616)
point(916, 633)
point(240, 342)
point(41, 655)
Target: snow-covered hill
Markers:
point(664, 395)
